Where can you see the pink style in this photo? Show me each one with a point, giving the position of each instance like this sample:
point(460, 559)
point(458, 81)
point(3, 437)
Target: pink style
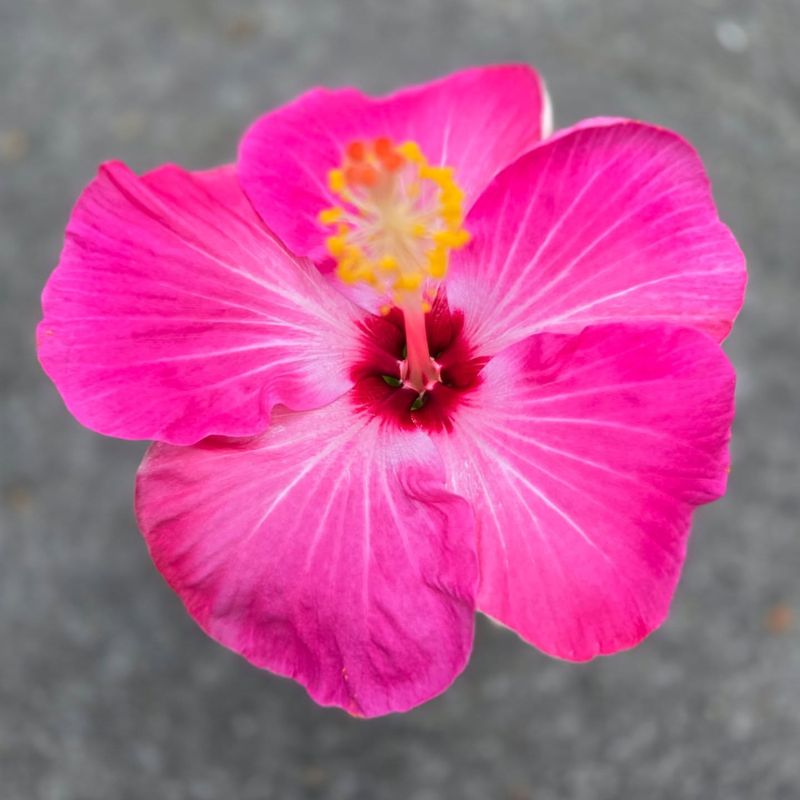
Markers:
point(412, 357)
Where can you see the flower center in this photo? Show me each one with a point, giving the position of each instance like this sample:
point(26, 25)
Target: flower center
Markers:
point(398, 221)
point(378, 373)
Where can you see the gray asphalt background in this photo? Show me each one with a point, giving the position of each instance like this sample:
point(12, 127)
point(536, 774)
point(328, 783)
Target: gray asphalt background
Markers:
point(109, 692)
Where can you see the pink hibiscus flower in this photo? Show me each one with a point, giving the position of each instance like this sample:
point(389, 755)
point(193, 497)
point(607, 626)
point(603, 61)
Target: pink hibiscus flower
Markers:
point(412, 357)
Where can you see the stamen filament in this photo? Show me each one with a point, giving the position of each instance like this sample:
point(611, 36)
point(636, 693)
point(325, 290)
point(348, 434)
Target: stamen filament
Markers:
point(421, 371)
point(399, 219)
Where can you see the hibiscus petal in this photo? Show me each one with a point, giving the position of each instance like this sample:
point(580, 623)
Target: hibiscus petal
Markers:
point(584, 456)
point(611, 221)
point(326, 550)
point(477, 121)
point(174, 313)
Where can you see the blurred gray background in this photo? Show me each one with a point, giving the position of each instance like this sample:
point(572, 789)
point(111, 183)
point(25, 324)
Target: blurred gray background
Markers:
point(107, 689)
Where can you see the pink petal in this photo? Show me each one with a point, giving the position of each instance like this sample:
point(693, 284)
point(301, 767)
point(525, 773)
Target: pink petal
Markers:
point(326, 550)
point(174, 314)
point(611, 221)
point(584, 457)
point(477, 121)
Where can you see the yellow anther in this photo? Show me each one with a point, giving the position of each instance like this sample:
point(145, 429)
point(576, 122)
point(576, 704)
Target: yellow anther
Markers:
point(408, 281)
point(443, 176)
point(450, 206)
point(437, 262)
point(452, 194)
point(353, 269)
point(353, 253)
point(411, 151)
point(400, 219)
point(330, 215)
point(419, 229)
point(452, 239)
point(336, 181)
point(346, 273)
point(336, 245)
point(452, 217)
point(449, 238)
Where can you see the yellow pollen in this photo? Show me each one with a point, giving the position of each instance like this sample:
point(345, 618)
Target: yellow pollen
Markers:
point(408, 281)
point(419, 229)
point(330, 215)
point(336, 245)
point(398, 219)
point(437, 258)
point(336, 181)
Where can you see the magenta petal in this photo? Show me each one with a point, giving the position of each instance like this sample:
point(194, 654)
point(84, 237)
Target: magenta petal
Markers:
point(326, 550)
point(174, 313)
point(611, 221)
point(477, 121)
point(583, 457)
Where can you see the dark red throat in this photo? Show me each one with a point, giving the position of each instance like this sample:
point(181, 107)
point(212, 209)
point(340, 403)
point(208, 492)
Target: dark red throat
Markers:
point(378, 380)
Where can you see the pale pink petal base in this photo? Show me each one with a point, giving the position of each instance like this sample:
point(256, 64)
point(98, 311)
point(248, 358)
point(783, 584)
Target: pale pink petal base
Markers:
point(477, 121)
point(327, 550)
point(584, 457)
point(610, 221)
point(174, 313)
